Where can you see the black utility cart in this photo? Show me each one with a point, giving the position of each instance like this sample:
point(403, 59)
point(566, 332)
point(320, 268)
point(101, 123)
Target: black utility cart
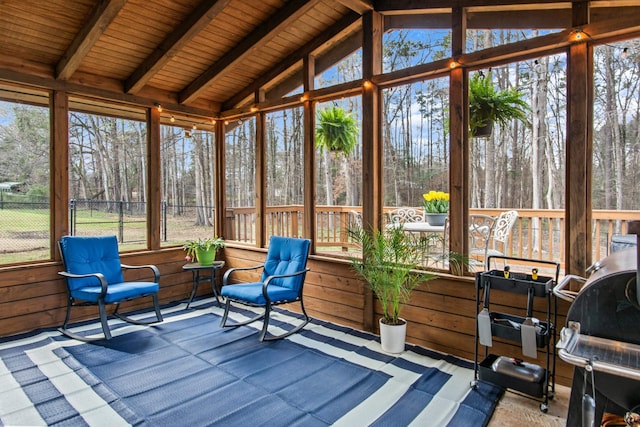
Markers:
point(536, 279)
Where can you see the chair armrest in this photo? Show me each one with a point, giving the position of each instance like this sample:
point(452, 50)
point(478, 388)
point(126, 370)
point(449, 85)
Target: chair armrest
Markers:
point(225, 278)
point(279, 276)
point(156, 272)
point(99, 276)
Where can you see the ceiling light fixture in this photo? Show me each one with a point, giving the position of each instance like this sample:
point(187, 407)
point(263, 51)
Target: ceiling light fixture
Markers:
point(172, 119)
point(158, 106)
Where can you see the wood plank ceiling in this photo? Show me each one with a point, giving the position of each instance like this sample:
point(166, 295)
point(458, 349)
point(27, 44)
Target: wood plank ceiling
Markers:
point(207, 56)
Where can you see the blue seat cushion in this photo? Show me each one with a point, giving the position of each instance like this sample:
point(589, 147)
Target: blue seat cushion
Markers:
point(116, 291)
point(252, 293)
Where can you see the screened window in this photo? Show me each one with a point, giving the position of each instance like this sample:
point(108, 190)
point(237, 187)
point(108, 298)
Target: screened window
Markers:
point(188, 190)
point(240, 170)
point(347, 70)
point(285, 172)
point(410, 47)
point(520, 165)
point(338, 138)
point(107, 172)
point(416, 158)
point(616, 155)
point(24, 176)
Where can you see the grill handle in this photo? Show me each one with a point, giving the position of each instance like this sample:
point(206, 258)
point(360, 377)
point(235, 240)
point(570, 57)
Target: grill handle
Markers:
point(583, 350)
point(567, 295)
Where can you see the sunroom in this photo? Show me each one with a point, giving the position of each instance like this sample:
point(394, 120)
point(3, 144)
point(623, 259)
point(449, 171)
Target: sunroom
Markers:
point(166, 121)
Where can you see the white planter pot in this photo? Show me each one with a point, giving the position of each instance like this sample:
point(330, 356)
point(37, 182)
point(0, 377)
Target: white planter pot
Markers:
point(393, 337)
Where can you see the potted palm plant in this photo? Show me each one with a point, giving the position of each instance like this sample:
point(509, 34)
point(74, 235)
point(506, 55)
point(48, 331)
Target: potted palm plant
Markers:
point(203, 250)
point(388, 263)
point(488, 105)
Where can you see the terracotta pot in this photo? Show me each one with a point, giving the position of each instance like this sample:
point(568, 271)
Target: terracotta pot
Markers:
point(393, 337)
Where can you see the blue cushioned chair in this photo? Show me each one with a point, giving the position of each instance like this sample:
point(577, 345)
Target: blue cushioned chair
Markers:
point(93, 274)
point(282, 281)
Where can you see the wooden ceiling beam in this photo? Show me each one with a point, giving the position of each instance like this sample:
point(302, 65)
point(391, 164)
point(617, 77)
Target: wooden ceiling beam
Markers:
point(102, 16)
point(418, 6)
point(546, 18)
point(97, 86)
point(334, 31)
point(197, 20)
point(289, 13)
point(359, 6)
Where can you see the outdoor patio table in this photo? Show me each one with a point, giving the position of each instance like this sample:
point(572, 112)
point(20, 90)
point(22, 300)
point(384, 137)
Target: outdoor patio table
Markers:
point(422, 227)
point(196, 270)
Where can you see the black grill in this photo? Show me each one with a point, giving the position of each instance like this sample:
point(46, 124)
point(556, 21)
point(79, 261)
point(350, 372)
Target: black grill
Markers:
point(603, 335)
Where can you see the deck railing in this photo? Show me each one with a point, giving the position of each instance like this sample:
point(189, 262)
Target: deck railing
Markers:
point(538, 233)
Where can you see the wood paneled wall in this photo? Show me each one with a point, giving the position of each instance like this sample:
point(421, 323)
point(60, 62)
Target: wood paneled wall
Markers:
point(441, 312)
point(34, 296)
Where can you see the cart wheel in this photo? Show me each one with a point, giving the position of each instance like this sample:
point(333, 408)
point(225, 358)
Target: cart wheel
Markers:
point(474, 384)
point(544, 408)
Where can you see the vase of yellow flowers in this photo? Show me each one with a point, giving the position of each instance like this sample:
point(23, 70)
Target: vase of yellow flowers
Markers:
point(436, 207)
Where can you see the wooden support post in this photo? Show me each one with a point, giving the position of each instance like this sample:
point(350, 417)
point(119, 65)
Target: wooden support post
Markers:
point(579, 151)
point(459, 140)
point(372, 24)
point(59, 163)
point(309, 156)
point(223, 227)
point(154, 190)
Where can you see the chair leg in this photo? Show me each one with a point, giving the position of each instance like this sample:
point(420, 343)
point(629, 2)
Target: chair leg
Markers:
point(68, 315)
point(263, 335)
point(227, 305)
point(68, 333)
point(156, 306)
point(225, 316)
point(140, 322)
point(265, 323)
point(103, 320)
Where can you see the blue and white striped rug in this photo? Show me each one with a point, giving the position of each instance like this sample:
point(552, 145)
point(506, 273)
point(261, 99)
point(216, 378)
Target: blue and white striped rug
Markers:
point(188, 371)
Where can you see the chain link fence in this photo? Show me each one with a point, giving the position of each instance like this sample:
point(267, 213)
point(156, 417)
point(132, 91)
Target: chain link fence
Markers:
point(25, 225)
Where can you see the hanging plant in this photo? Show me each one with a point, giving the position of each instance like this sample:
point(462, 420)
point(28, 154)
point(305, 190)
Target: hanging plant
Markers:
point(488, 105)
point(336, 130)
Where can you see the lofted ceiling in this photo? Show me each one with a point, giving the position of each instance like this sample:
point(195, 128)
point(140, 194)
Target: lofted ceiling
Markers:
point(207, 55)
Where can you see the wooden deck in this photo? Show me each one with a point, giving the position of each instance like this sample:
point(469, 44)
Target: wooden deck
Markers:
point(517, 410)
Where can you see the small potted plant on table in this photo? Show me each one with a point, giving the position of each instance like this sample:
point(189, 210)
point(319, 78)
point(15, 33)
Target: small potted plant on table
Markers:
point(203, 250)
point(436, 207)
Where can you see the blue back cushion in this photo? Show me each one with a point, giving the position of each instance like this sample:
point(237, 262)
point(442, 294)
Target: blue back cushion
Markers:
point(286, 255)
point(83, 255)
